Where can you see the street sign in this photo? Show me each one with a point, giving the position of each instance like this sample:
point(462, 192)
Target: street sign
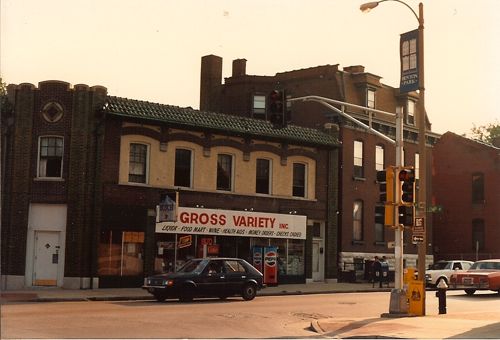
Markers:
point(416, 239)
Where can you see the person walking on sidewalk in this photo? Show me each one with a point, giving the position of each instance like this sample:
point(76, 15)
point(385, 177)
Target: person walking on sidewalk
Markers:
point(377, 272)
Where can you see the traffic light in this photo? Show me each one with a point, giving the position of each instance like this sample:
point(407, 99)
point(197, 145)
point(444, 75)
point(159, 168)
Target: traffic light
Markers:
point(385, 214)
point(406, 185)
point(385, 179)
point(276, 114)
point(405, 215)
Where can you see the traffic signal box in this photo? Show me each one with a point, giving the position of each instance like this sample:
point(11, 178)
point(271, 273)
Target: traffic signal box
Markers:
point(406, 186)
point(277, 108)
point(397, 191)
point(385, 214)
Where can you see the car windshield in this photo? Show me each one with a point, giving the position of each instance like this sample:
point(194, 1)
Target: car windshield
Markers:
point(486, 265)
point(193, 266)
point(441, 265)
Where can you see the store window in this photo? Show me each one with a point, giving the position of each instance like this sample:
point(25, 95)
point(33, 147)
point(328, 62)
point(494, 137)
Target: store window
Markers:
point(262, 177)
point(295, 265)
point(224, 172)
point(138, 163)
point(50, 157)
point(183, 173)
point(121, 253)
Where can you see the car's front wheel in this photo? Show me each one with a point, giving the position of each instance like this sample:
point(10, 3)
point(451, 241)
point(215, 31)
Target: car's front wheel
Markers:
point(470, 291)
point(249, 291)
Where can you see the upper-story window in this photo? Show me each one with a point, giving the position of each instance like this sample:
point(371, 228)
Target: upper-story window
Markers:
point(183, 173)
point(410, 112)
point(299, 180)
point(224, 172)
point(50, 157)
point(379, 157)
point(370, 98)
point(138, 163)
point(357, 221)
point(259, 106)
point(478, 235)
point(478, 188)
point(358, 159)
point(262, 176)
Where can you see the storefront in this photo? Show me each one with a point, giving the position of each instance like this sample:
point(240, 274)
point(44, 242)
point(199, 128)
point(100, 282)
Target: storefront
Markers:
point(229, 233)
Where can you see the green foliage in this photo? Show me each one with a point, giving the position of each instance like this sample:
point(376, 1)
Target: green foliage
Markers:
point(486, 133)
point(5, 105)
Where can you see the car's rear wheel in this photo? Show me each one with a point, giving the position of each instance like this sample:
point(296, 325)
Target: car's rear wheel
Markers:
point(160, 297)
point(249, 291)
point(470, 291)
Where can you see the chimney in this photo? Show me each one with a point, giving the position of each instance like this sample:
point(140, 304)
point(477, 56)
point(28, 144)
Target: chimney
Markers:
point(355, 69)
point(239, 67)
point(211, 78)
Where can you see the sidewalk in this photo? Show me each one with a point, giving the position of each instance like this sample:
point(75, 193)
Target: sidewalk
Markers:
point(41, 294)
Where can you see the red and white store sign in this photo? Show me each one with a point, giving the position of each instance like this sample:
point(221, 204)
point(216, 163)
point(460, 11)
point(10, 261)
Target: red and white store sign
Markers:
point(235, 223)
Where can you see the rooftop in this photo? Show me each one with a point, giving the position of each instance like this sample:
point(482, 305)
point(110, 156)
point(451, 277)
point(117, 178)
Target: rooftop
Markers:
point(224, 123)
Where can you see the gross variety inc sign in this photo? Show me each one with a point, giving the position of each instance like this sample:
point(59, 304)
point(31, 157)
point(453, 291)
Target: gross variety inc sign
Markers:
point(235, 223)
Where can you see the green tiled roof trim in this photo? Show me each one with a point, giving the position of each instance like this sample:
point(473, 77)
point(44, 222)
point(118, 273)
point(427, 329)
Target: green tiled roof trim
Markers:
point(215, 121)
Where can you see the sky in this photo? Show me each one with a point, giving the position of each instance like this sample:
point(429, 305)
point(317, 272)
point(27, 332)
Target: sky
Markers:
point(151, 49)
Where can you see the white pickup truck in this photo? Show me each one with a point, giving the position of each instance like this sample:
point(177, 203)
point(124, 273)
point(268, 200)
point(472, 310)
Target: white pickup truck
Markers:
point(442, 270)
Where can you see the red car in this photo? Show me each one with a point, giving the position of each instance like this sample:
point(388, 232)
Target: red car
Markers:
point(482, 275)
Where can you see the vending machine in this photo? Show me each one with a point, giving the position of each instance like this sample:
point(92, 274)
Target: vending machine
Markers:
point(271, 265)
point(257, 258)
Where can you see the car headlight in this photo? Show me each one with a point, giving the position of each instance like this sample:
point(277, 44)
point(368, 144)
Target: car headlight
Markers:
point(147, 281)
point(168, 283)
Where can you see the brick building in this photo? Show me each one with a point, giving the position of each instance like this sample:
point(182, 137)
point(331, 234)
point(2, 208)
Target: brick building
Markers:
point(84, 172)
point(362, 153)
point(467, 193)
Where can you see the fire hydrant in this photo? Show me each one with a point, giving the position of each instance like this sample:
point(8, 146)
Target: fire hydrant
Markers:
point(441, 295)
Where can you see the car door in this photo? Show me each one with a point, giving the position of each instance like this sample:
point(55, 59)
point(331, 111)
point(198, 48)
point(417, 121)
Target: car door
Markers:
point(236, 276)
point(212, 280)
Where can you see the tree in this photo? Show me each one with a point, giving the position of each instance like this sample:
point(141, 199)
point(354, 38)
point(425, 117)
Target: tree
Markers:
point(486, 133)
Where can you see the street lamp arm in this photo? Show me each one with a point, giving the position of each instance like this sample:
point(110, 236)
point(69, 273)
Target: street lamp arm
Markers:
point(366, 7)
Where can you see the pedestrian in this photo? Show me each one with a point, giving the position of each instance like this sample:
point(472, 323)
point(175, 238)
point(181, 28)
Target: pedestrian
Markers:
point(377, 267)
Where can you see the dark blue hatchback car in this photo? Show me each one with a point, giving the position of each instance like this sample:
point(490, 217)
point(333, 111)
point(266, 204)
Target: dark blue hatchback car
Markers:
point(207, 277)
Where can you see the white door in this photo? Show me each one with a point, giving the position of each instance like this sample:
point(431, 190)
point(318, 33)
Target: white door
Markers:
point(46, 258)
point(317, 267)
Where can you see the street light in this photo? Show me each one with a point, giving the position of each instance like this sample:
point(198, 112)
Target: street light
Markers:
point(421, 206)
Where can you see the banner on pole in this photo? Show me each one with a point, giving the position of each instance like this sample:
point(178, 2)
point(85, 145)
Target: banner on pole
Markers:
point(408, 49)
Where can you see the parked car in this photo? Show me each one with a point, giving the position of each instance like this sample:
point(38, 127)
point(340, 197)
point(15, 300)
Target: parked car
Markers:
point(482, 275)
point(442, 271)
point(207, 277)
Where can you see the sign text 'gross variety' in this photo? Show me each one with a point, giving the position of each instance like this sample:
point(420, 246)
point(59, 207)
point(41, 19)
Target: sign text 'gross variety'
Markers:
point(235, 223)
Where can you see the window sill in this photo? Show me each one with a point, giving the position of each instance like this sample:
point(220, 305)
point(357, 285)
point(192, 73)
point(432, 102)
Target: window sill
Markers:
point(358, 243)
point(379, 244)
point(362, 179)
point(49, 179)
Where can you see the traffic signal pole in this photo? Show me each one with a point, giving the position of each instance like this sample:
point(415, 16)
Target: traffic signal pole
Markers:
point(398, 295)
